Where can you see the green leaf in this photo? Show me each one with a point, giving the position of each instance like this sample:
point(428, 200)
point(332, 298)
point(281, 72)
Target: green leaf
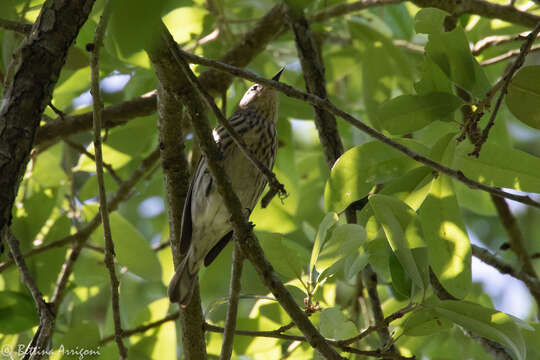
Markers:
point(334, 325)
point(72, 345)
point(17, 311)
point(133, 250)
point(407, 113)
point(450, 51)
point(489, 323)
point(346, 240)
point(499, 166)
point(433, 79)
point(429, 21)
point(446, 236)
point(425, 322)
point(401, 282)
point(326, 226)
point(286, 256)
point(185, 22)
point(129, 17)
point(360, 168)
point(403, 233)
point(523, 98)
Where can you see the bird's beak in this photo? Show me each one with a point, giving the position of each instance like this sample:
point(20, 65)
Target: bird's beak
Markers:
point(277, 76)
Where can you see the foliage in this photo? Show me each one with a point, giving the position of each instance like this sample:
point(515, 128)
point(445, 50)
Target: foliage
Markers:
point(416, 221)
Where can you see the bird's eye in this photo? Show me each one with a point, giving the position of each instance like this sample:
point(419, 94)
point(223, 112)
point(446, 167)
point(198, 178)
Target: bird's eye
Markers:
point(255, 87)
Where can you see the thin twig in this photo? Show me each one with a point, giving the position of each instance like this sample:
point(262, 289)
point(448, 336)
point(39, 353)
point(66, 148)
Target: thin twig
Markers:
point(140, 329)
point(326, 104)
point(524, 50)
point(278, 334)
point(103, 208)
point(46, 315)
point(504, 268)
point(15, 26)
point(232, 310)
point(507, 55)
point(81, 149)
point(386, 321)
point(381, 326)
point(494, 40)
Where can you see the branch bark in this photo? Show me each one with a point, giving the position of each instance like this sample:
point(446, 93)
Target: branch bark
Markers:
point(31, 78)
point(103, 208)
point(176, 175)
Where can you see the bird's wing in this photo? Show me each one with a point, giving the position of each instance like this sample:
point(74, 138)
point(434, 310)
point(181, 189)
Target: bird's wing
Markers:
point(187, 223)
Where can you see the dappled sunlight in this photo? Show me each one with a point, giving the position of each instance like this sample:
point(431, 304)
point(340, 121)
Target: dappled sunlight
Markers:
point(459, 241)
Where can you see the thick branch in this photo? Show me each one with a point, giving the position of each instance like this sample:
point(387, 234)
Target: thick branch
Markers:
point(313, 71)
point(176, 175)
point(31, 78)
point(241, 227)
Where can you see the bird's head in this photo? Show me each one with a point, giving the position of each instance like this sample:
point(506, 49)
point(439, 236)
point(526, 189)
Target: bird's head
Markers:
point(262, 98)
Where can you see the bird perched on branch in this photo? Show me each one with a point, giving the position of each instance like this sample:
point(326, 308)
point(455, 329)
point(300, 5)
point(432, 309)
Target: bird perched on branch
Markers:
point(206, 228)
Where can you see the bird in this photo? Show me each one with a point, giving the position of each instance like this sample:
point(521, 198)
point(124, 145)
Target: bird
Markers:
point(206, 227)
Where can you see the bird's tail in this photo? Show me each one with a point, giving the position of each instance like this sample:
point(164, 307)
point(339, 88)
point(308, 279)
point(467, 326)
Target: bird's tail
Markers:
point(182, 283)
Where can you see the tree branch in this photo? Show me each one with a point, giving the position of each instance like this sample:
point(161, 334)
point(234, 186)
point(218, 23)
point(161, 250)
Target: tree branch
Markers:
point(140, 329)
point(232, 310)
point(103, 208)
point(242, 229)
point(483, 8)
point(25, 95)
point(326, 104)
point(81, 149)
point(531, 282)
point(523, 51)
point(483, 44)
point(171, 123)
point(248, 47)
point(516, 242)
point(313, 70)
point(507, 55)
point(15, 26)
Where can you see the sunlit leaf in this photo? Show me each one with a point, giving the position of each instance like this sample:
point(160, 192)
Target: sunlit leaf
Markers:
point(334, 325)
point(489, 323)
point(446, 237)
point(500, 166)
point(111, 156)
point(359, 169)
